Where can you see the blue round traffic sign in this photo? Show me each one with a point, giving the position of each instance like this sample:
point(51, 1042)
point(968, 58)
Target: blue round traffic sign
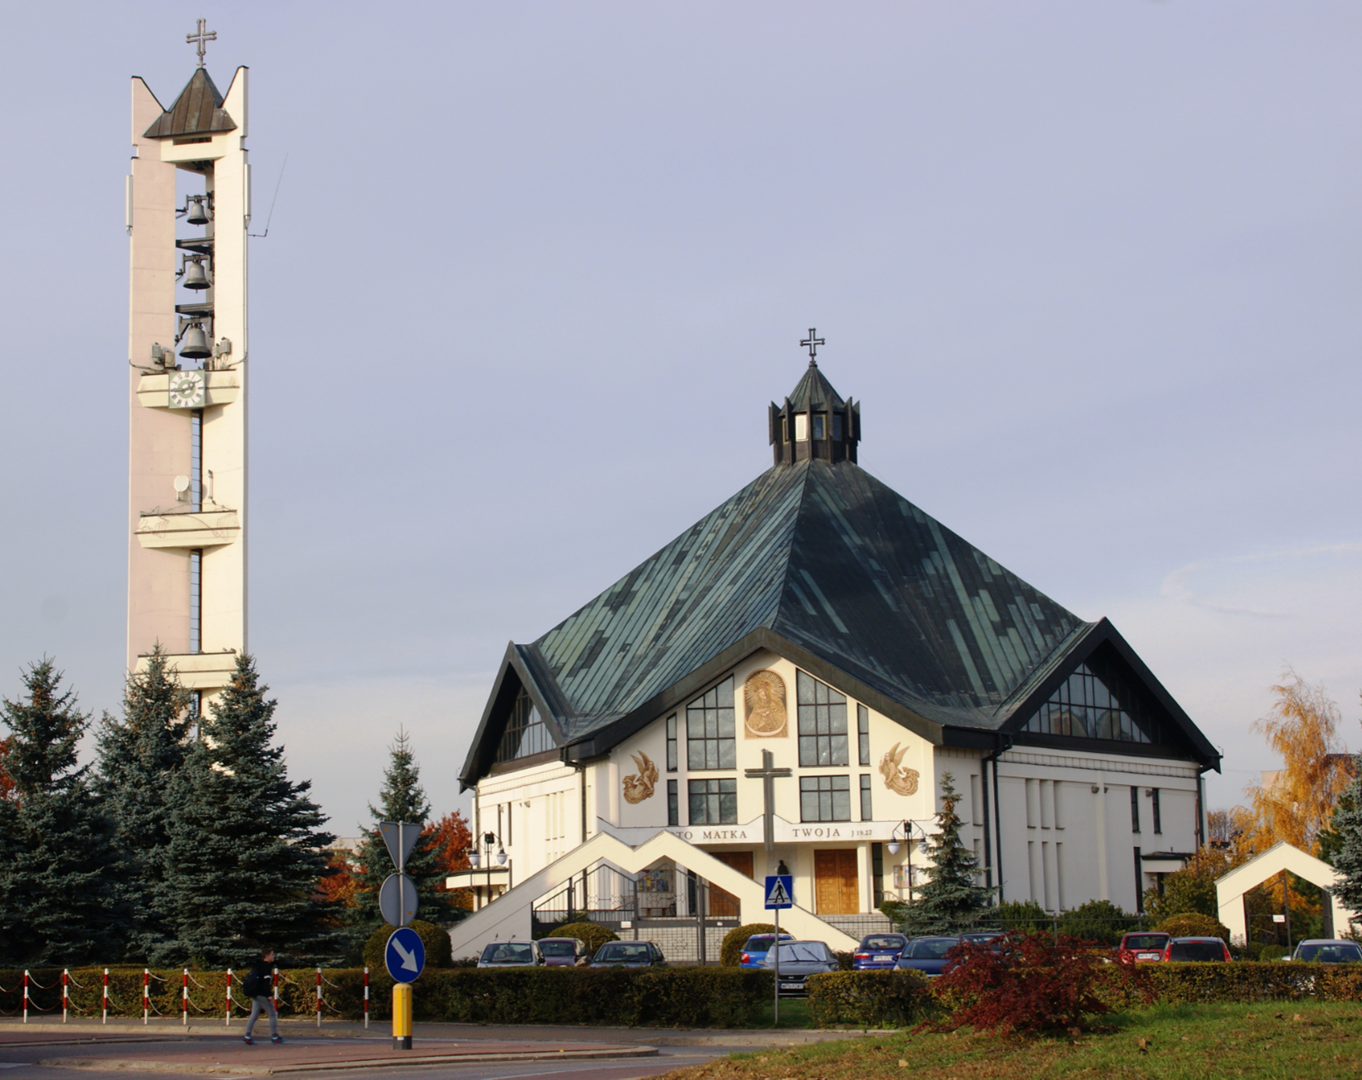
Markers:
point(405, 956)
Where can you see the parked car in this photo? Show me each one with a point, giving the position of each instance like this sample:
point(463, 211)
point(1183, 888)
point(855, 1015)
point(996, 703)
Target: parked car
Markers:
point(1322, 951)
point(927, 955)
point(564, 952)
point(629, 954)
point(1145, 945)
point(798, 960)
point(984, 937)
point(1197, 950)
point(496, 954)
point(756, 948)
point(878, 952)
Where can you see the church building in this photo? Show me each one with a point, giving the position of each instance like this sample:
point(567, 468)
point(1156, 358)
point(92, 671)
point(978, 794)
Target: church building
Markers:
point(791, 680)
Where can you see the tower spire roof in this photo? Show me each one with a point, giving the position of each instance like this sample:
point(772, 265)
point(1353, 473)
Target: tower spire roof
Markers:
point(814, 391)
point(197, 111)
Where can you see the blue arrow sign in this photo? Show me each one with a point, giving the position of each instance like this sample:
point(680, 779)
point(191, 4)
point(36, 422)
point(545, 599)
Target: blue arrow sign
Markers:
point(405, 956)
point(779, 892)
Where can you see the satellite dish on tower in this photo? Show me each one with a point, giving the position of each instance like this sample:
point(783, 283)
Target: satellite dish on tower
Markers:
point(181, 487)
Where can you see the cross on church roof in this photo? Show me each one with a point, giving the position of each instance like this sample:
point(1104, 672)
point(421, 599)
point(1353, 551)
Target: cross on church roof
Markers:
point(200, 37)
point(812, 343)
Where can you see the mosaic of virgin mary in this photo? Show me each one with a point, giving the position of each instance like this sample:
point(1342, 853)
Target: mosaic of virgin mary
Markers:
point(764, 696)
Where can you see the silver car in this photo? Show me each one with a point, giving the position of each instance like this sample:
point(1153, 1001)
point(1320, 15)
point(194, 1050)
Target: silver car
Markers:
point(1322, 951)
point(799, 960)
point(521, 954)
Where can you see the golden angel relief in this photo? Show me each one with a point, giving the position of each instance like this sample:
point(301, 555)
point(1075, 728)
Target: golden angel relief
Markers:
point(764, 696)
point(898, 778)
point(641, 785)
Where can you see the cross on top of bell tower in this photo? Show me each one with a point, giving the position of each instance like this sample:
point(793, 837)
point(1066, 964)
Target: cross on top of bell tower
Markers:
point(201, 37)
point(811, 343)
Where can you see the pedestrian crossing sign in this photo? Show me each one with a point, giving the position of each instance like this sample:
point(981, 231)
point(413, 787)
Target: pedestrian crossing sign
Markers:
point(779, 891)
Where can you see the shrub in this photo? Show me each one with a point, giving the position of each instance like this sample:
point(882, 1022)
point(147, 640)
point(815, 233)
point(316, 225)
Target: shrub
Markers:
point(1020, 916)
point(439, 949)
point(1194, 924)
point(869, 999)
point(594, 936)
point(1097, 920)
point(730, 952)
point(1035, 985)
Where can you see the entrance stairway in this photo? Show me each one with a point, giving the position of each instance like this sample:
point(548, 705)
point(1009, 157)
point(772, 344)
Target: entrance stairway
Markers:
point(509, 915)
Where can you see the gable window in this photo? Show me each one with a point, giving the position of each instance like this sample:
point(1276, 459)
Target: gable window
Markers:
point(825, 798)
point(671, 743)
point(1088, 705)
point(709, 729)
point(863, 733)
point(526, 733)
point(713, 802)
point(822, 723)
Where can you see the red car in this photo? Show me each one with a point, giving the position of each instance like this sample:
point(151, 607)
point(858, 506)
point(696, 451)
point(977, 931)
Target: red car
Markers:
point(1144, 945)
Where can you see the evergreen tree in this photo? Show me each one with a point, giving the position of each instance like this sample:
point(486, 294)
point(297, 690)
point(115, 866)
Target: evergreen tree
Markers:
point(57, 874)
point(402, 799)
point(139, 759)
point(949, 900)
point(1346, 824)
point(246, 843)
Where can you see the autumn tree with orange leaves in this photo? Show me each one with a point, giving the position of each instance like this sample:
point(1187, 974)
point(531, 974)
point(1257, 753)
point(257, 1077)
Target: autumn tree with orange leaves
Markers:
point(452, 840)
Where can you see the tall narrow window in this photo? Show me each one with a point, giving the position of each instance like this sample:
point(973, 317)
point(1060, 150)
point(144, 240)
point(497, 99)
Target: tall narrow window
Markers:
point(1158, 818)
point(196, 461)
point(867, 813)
point(196, 600)
point(825, 798)
point(671, 743)
point(837, 427)
point(709, 729)
point(526, 733)
point(877, 871)
point(1139, 884)
point(863, 733)
point(822, 723)
point(673, 807)
point(1134, 809)
point(801, 427)
point(713, 802)
point(819, 425)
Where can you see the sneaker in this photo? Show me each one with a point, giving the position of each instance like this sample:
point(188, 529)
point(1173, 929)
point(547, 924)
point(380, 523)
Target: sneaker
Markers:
point(276, 1038)
point(248, 1040)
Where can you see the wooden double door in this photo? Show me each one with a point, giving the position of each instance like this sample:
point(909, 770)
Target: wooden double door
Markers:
point(836, 884)
point(724, 905)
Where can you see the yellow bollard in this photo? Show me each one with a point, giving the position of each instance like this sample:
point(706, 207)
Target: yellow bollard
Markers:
point(402, 1016)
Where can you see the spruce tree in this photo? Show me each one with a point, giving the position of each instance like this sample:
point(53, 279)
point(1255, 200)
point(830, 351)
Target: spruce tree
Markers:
point(57, 875)
point(1346, 824)
point(247, 847)
point(949, 900)
point(139, 759)
point(402, 799)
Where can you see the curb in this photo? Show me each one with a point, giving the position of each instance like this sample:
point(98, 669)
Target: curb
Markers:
point(125, 1064)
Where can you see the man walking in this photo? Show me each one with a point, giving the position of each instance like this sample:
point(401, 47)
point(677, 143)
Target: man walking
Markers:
point(258, 984)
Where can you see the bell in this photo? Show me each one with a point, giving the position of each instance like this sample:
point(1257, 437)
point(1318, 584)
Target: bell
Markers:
point(196, 345)
point(195, 277)
point(198, 210)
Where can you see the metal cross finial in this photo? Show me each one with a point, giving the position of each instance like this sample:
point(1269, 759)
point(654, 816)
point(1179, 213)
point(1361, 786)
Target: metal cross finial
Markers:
point(812, 343)
point(200, 37)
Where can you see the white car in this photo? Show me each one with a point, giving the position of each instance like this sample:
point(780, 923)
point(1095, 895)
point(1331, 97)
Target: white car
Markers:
point(511, 954)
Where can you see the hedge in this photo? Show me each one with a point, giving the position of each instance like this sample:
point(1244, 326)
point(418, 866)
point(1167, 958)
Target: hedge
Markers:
point(866, 999)
point(657, 997)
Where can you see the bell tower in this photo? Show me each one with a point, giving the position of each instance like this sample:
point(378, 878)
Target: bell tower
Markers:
point(188, 206)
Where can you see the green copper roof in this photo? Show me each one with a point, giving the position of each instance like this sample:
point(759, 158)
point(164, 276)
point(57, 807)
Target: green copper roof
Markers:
point(813, 392)
point(838, 564)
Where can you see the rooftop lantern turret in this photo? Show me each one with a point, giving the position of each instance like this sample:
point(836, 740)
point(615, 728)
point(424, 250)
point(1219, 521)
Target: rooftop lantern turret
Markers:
point(814, 422)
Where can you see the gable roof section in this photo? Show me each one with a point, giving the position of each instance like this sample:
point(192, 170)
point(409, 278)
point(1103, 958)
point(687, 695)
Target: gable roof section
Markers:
point(197, 111)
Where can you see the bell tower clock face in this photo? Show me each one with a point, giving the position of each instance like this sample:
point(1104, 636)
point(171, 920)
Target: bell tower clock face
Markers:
point(187, 390)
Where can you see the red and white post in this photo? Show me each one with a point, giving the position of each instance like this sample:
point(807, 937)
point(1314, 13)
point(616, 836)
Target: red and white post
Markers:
point(184, 999)
point(65, 997)
point(105, 1018)
point(319, 997)
point(25, 995)
point(146, 995)
point(228, 1021)
point(366, 999)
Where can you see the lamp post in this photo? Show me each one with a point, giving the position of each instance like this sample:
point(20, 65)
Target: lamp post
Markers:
point(489, 840)
point(907, 828)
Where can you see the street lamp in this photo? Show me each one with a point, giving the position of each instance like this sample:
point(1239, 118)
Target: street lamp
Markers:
point(489, 840)
point(907, 828)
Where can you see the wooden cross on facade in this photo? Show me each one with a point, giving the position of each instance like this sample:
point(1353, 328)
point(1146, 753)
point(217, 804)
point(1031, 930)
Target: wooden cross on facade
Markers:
point(201, 37)
point(769, 775)
point(812, 343)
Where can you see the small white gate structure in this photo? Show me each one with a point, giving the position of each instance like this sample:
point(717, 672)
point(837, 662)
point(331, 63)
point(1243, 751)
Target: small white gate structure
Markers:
point(1230, 889)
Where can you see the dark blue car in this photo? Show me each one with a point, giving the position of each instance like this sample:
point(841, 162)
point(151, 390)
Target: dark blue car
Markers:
point(878, 952)
point(927, 955)
point(756, 948)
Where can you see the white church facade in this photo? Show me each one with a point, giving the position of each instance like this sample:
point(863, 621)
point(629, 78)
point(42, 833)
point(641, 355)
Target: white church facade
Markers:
point(819, 617)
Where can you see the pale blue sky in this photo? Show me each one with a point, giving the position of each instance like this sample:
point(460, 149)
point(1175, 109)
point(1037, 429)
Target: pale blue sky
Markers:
point(536, 270)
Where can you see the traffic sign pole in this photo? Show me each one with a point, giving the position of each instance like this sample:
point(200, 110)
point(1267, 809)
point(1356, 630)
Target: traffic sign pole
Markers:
point(776, 945)
point(402, 1016)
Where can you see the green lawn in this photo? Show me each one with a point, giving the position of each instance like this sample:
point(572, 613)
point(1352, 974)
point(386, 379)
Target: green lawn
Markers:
point(1282, 1041)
